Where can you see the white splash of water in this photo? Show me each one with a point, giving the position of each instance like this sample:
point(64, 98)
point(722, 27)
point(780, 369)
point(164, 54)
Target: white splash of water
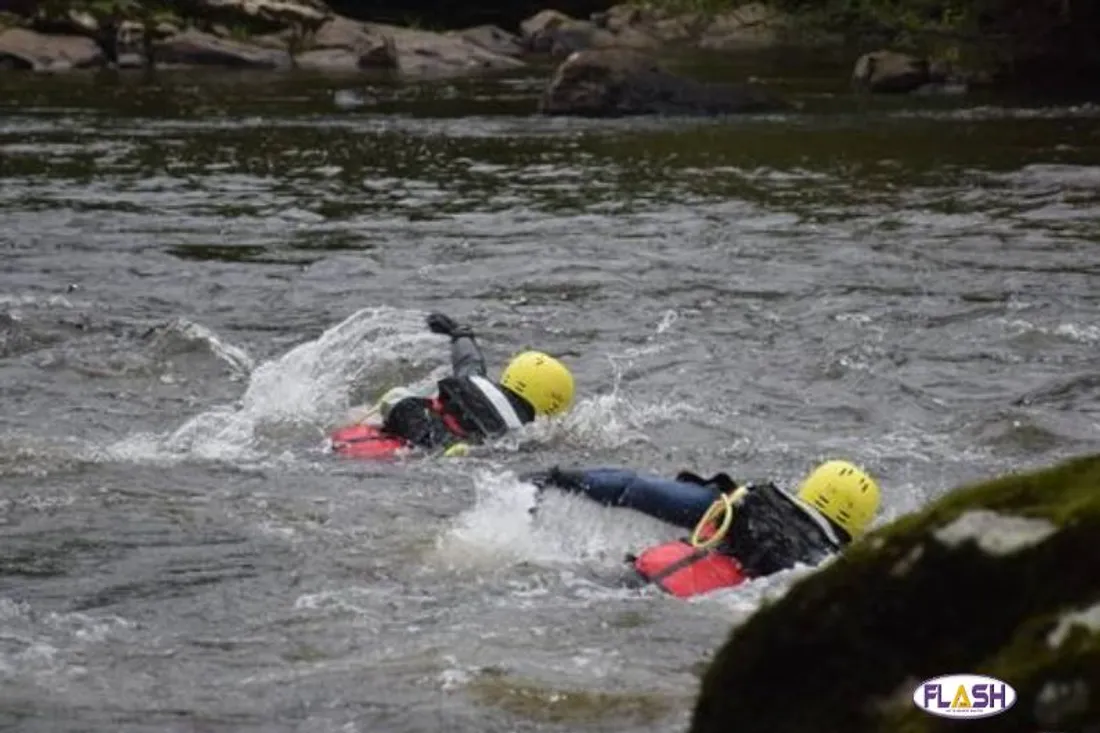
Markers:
point(745, 599)
point(308, 386)
point(571, 533)
point(1085, 177)
point(309, 389)
point(1084, 333)
point(183, 333)
point(610, 420)
point(602, 422)
point(39, 647)
point(500, 530)
point(32, 301)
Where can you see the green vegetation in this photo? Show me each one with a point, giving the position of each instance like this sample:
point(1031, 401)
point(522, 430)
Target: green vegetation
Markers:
point(147, 11)
point(910, 602)
point(87, 16)
point(1019, 38)
point(462, 13)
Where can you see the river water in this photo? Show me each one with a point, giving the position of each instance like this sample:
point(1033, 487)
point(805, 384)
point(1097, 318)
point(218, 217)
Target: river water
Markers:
point(204, 272)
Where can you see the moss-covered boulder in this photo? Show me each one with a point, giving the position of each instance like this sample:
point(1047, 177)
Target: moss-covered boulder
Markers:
point(1000, 578)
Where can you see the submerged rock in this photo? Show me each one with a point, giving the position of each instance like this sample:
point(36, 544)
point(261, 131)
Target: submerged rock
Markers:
point(537, 702)
point(615, 82)
point(890, 72)
point(998, 579)
point(893, 72)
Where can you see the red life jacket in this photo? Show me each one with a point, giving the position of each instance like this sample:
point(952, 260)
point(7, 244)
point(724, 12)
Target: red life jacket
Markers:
point(366, 441)
point(684, 571)
point(369, 441)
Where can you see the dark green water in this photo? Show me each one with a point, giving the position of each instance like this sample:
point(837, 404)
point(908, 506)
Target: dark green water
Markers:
point(203, 272)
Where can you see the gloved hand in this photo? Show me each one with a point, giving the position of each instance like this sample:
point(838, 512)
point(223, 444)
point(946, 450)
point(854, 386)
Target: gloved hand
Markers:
point(458, 450)
point(444, 325)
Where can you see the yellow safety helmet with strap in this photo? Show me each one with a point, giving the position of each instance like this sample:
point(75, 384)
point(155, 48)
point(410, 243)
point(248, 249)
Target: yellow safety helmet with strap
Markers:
point(844, 493)
point(540, 379)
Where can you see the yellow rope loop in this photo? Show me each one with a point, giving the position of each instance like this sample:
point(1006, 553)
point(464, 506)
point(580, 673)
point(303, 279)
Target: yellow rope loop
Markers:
point(723, 504)
point(726, 504)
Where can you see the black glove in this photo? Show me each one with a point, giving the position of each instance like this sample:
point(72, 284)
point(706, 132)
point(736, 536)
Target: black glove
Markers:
point(444, 325)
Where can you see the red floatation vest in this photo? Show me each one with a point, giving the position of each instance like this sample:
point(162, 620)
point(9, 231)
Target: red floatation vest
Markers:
point(372, 442)
point(685, 571)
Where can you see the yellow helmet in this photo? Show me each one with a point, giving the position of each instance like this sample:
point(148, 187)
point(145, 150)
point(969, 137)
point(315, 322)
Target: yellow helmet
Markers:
point(843, 493)
point(540, 379)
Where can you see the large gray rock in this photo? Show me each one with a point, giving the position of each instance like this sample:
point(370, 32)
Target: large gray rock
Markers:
point(195, 48)
point(26, 49)
point(342, 44)
point(660, 26)
point(748, 27)
point(340, 32)
point(416, 53)
point(536, 31)
point(555, 33)
point(339, 59)
point(428, 54)
point(617, 82)
point(999, 579)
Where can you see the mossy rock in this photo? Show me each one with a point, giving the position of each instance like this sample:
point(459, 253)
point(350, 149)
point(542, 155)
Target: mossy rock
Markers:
point(1000, 578)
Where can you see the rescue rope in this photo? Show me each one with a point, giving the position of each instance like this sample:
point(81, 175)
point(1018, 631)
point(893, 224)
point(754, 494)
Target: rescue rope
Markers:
point(724, 504)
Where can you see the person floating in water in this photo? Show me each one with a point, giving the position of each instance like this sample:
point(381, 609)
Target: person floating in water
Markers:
point(465, 408)
point(740, 532)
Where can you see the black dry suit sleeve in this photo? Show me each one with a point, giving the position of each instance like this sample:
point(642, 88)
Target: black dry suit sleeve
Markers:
point(720, 481)
point(466, 357)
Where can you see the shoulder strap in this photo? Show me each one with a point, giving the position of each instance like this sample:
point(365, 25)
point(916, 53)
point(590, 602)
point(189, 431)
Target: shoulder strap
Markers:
point(815, 516)
point(498, 400)
point(695, 556)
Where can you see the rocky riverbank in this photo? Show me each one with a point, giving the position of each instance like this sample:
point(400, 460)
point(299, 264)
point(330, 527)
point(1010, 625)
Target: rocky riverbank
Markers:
point(997, 579)
point(242, 34)
point(307, 34)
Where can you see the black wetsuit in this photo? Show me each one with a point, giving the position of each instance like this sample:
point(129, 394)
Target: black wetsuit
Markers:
point(771, 532)
point(465, 410)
